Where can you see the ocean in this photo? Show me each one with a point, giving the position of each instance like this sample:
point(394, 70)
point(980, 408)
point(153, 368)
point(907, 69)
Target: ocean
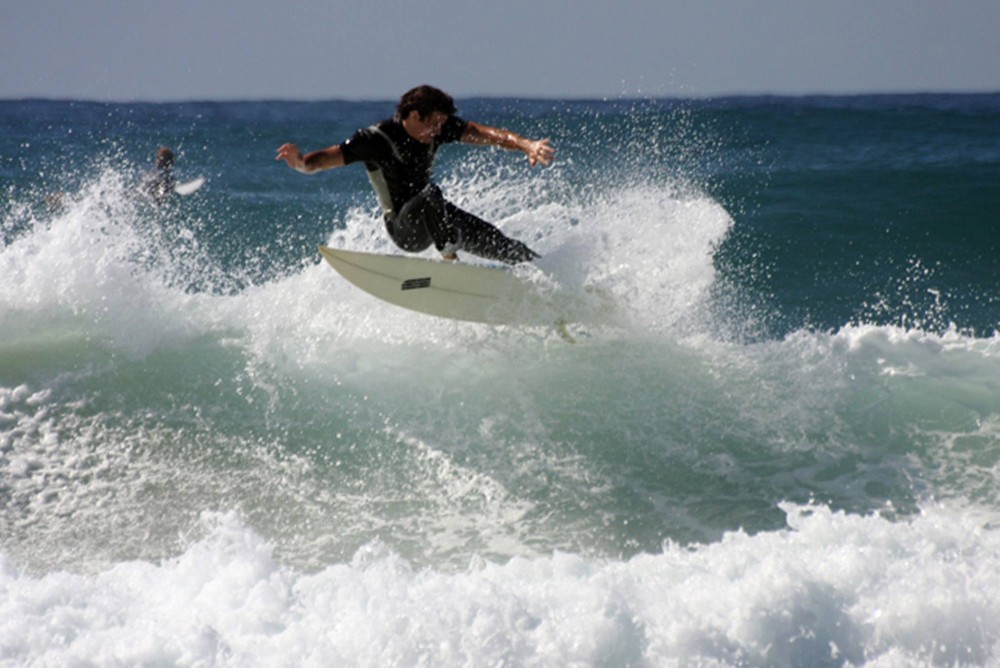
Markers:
point(783, 450)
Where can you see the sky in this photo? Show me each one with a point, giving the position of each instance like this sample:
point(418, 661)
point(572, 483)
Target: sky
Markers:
point(169, 50)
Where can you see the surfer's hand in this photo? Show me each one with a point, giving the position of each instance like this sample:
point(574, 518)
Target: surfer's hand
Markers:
point(291, 154)
point(540, 152)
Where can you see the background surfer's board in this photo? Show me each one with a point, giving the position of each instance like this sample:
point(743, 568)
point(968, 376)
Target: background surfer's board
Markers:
point(190, 186)
point(450, 289)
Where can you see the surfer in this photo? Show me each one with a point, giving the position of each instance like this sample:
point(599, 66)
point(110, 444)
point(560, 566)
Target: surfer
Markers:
point(159, 183)
point(398, 154)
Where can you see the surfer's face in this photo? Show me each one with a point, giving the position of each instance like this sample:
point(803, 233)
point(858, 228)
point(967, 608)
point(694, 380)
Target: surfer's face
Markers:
point(424, 130)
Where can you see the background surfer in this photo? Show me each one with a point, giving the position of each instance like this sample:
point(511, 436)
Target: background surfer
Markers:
point(160, 182)
point(399, 155)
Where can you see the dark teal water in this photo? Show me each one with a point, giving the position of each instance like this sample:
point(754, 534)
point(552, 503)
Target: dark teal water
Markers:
point(783, 451)
point(871, 209)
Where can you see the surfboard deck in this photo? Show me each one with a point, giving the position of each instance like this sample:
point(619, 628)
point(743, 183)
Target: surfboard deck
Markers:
point(189, 186)
point(454, 290)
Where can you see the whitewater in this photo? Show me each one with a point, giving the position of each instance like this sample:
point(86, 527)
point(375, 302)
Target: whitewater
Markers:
point(210, 457)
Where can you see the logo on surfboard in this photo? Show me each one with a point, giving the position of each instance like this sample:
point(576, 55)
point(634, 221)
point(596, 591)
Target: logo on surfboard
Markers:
point(416, 283)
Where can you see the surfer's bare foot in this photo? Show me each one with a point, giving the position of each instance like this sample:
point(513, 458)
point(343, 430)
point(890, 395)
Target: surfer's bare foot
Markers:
point(451, 257)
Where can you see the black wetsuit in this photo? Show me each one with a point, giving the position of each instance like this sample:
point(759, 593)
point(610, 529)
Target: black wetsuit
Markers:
point(159, 184)
point(416, 213)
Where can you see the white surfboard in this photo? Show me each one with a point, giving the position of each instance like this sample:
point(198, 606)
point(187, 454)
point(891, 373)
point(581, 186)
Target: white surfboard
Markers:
point(190, 186)
point(455, 290)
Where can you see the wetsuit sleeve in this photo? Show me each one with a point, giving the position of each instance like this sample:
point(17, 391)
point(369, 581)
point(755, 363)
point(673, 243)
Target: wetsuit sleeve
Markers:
point(364, 146)
point(452, 129)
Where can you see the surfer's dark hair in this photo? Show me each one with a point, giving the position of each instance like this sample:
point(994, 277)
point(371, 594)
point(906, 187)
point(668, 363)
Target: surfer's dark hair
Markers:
point(425, 100)
point(164, 157)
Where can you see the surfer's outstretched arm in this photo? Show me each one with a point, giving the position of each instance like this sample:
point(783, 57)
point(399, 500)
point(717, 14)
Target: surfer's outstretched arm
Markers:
point(310, 163)
point(537, 150)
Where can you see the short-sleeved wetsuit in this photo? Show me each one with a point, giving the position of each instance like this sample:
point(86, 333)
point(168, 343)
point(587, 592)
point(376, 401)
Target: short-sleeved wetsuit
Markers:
point(400, 169)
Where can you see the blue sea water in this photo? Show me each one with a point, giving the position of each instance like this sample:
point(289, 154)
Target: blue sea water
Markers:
point(784, 451)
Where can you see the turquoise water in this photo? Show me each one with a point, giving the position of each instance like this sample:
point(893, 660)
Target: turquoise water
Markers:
point(214, 451)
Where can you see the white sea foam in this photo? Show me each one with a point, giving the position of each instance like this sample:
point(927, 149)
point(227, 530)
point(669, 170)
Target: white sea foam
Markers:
point(96, 266)
point(833, 589)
